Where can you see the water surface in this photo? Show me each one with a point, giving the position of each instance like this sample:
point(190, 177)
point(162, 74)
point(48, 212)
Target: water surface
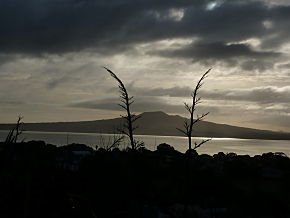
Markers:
point(226, 145)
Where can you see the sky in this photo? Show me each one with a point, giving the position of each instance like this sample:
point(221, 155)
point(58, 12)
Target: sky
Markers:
point(52, 54)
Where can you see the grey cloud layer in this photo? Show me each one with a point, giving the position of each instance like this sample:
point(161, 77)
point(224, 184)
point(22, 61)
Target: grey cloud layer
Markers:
point(271, 99)
point(220, 51)
point(59, 26)
point(141, 104)
point(260, 95)
point(65, 25)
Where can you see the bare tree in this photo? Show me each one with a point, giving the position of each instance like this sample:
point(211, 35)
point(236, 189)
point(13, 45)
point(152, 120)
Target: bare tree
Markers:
point(15, 132)
point(191, 108)
point(130, 118)
point(110, 142)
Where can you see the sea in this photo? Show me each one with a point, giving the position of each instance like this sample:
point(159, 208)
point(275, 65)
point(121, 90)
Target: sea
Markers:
point(227, 145)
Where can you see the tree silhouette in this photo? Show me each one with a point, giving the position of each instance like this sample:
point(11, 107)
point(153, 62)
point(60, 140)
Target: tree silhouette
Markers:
point(191, 108)
point(110, 142)
point(15, 132)
point(130, 118)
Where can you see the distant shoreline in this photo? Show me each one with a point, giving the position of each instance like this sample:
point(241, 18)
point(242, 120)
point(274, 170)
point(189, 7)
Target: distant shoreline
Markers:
point(142, 135)
point(155, 123)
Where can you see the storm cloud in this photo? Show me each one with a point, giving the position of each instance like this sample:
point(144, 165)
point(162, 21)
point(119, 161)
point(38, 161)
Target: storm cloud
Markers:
point(219, 51)
point(59, 26)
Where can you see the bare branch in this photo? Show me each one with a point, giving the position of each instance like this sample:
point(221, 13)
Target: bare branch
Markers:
point(182, 131)
point(187, 107)
point(15, 132)
point(126, 102)
point(139, 144)
point(199, 118)
point(116, 142)
point(135, 117)
point(200, 144)
point(122, 106)
point(188, 124)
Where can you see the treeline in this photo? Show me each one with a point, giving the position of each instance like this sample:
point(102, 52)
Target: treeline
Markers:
point(41, 180)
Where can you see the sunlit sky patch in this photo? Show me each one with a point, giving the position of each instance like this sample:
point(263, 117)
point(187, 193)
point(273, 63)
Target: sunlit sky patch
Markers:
point(211, 5)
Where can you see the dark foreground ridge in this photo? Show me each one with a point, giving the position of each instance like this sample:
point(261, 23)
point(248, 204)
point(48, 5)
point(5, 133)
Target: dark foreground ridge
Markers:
point(41, 180)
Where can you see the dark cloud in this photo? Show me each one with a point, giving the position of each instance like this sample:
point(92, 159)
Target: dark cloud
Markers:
point(171, 92)
point(140, 105)
point(105, 104)
point(11, 102)
point(260, 95)
point(6, 58)
point(284, 66)
point(231, 21)
point(66, 25)
point(71, 25)
point(278, 33)
point(220, 51)
point(143, 104)
point(260, 65)
point(55, 82)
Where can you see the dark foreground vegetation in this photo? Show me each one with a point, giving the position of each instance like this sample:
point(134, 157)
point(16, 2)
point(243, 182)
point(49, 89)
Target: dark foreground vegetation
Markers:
point(40, 180)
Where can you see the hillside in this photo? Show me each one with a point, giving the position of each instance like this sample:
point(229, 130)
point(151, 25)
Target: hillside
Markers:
point(155, 123)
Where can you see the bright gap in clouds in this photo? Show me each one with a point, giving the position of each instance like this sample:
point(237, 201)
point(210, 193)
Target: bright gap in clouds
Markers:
point(211, 6)
point(176, 14)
